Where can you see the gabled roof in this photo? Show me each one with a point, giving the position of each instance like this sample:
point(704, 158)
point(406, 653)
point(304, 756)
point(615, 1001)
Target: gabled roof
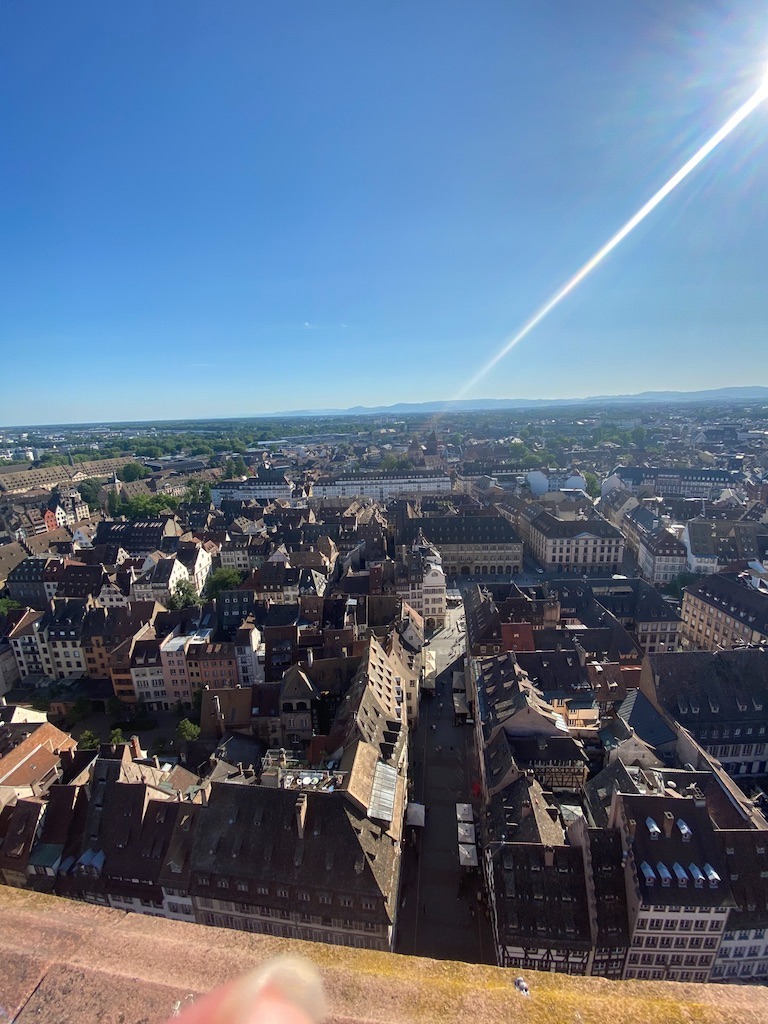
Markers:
point(296, 685)
point(704, 687)
point(638, 712)
point(250, 832)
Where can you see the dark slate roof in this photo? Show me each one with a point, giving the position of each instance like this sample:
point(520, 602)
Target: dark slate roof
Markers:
point(521, 813)
point(633, 599)
point(746, 857)
point(595, 526)
point(135, 832)
point(554, 671)
point(250, 832)
point(599, 790)
point(704, 687)
point(530, 750)
point(638, 712)
point(539, 904)
point(610, 888)
point(728, 540)
point(237, 749)
point(499, 759)
point(701, 850)
point(733, 594)
point(482, 616)
point(643, 517)
point(175, 871)
point(461, 530)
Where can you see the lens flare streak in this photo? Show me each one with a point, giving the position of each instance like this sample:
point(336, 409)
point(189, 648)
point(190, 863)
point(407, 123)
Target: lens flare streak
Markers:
point(733, 122)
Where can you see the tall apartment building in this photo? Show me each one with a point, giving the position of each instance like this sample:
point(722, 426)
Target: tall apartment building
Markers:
point(420, 580)
point(470, 545)
point(661, 556)
point(268, 484)
point(575, 545)
point(382, 486)
point(720, 698)
point(670, 482)
point(640, 608)
point(677, 888)
point(725, 610)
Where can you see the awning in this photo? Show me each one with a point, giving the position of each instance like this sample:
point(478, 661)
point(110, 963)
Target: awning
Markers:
point(464, 813)
point(466, 832)
point(467, 855)
point(415, 815)
point(460, 704)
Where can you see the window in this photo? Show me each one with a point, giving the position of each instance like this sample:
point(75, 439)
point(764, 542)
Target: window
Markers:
point(282, 893)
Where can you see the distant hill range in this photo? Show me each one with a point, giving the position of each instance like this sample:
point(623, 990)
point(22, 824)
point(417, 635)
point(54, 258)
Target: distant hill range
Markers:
point(724, 395)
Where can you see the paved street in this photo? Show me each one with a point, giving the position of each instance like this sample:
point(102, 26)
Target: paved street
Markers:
point(437, 919)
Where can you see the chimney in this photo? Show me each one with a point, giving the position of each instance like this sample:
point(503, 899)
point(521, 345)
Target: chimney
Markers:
point(156, 761)
point(549, 857)
point(669, 820)
point(135, 746)
point(631, 826)
point(301, 813)
point(526, 808)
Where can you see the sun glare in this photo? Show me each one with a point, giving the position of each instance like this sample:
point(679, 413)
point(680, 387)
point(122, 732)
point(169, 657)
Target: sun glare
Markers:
point(754, 101)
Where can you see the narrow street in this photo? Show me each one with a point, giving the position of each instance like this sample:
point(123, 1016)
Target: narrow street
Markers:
point(440, 914)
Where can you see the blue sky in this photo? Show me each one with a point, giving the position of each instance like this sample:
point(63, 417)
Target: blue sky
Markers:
point(239, 207)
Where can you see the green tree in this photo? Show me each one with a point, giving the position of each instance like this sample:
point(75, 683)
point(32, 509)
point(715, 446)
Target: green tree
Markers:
point(146, 506)
point(234, 468)
point(639, 436)
point(199, 491)
point(116, 736)
point(187, 731)
point(114, 504)
point(117, 709)
point(89, 740)
point(676, 586)
point(89, 492)
point(41, 701)
point(222, 579)
point(133, 471)
point(183, 596)
point(82, 708)
point(6, 604)
point(593, 485)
